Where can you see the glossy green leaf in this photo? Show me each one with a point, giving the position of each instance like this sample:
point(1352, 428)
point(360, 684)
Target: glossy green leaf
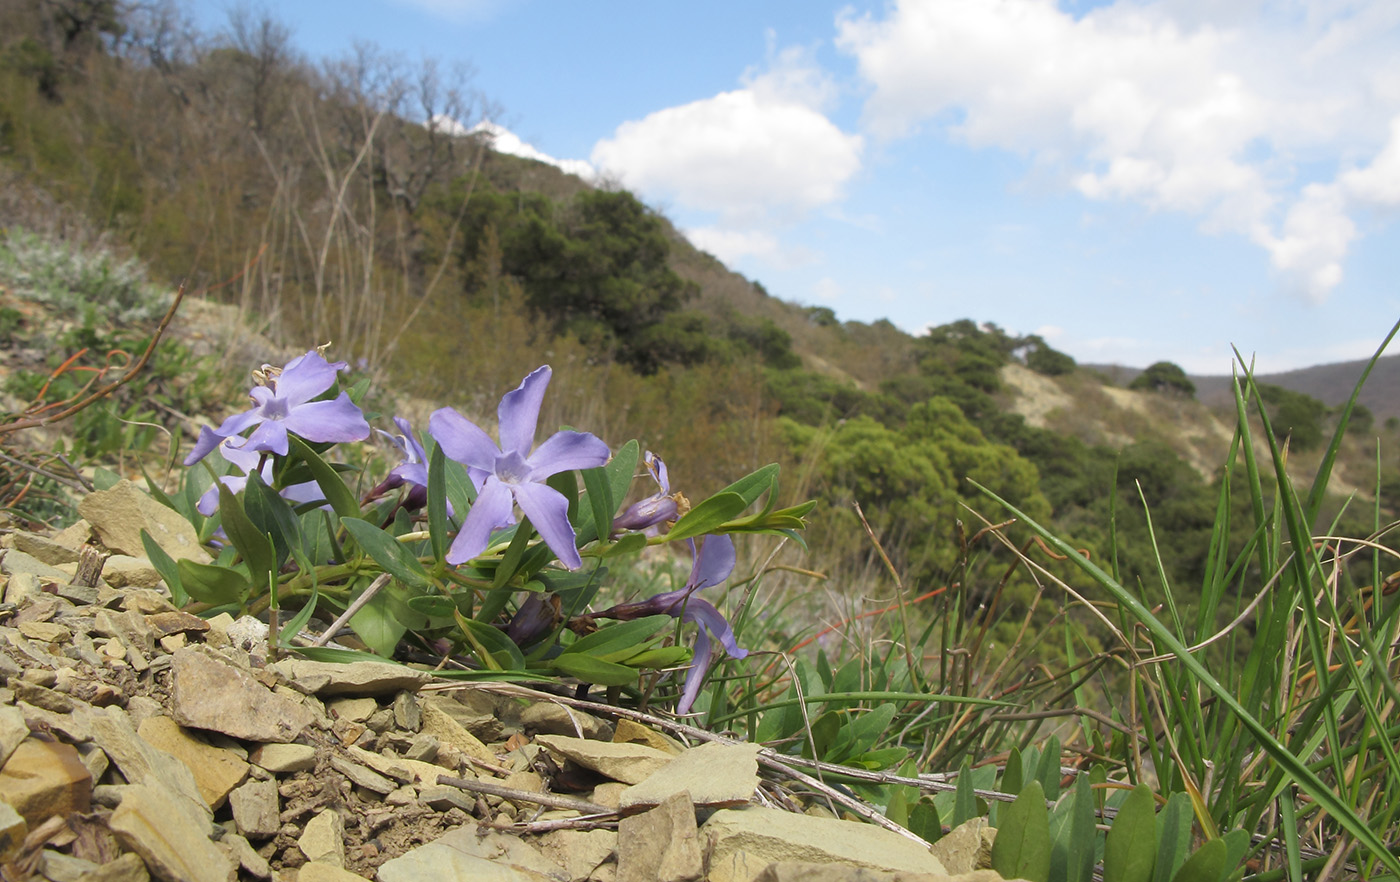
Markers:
point(660, 657)
point(599, 499)
point(620, 636)
point(1049, 768)
point(593, 670)
point(754, 484)
point(379, 624)
point(923, 821)
point(437, 501)
point(338, 656)
point(341, 499)
point(1022, 847)
point(165, 565)
point(707, 516)
point(253, 545)
point(212, 584)
point(965, 799)
point(389, 553)
point(298, 621)
point(1130, 851)
point(1206, 865)
point(628, 543)
point(1173, 835)
point(437, 605)
point(1073, 834)
point(1011, 778)
point(272, 515)
point(503, 651)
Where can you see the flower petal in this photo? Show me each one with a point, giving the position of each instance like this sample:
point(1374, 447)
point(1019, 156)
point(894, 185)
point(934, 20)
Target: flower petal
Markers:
point(305, 377)
point(548, 511)
point(519, 411)
point(208, 440)
point(713, 563)
point(239, 422)
point(695, 677)
point(337, 420)
point(712, 622)
point(270, 435)
point(565, 451)
point(461, 440)
point(492, 509)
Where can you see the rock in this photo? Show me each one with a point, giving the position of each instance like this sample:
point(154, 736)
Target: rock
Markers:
point(797, 871)
point(119, 514)
point(283, 759)
point(21, 586)
point(714, 775)
point(367, 678)
point(59, 867)
point(13, 829)
point(441, 797)
point(255, 809)
point(579, 852)
point(439, 724)
point(967, 847)
point(15, 563)
point(45, 632)
point(628, 763)
point(404, 771)
point(423, 748)
point(140, 763)
point(216, 772)
point(209, 693)
point(174, 843)
point(632, 732)
point(172, 622)
point(548, 718)
point(129, 626)
point(41, 548)
point(407, 715)
point(320, 872)
point(355, 709)
point(45, 778)
point(660, 845)
point(323, 840)
point(125, 571)
point(463, 854)
point(241, 852)
point(13, 730)
point(362, 777)
point(742, 842)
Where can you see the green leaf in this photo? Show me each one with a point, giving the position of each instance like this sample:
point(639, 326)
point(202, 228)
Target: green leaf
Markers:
point(621, 636)
point(503, 651)
point(1011, 778)
point(965, 800)
point(659, 657)
point(389, 553)
point(105, 479)
point(594, 670)
point(298, 621)
point(1173, 835)
point(1130, 852)
point(924, 823)
point(754, 484)
point(213, 584)
point(166, 567)
point(379, 624)
point(438, 606)
point(600, 500)
point(628, 543)
point(707, 516)
point(272, 515)
point(339, 656)
point(437, 502)
point(1022, 847)
point(510, 561)
point(1206, 865)
point(253, 545)
point(1072, 854)
point(341, 500)
point(1049, 768)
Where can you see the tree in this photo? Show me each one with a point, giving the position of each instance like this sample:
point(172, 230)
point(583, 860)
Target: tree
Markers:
point(1164, 376)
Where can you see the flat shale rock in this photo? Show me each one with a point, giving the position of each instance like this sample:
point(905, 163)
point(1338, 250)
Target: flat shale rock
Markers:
point(119, 514)
point(209, 693)
point(628, 763)
point(216, 771)
point(174, 844)
point(365, 678)
point(715, 775)
point(45, 778)
point(660, 845)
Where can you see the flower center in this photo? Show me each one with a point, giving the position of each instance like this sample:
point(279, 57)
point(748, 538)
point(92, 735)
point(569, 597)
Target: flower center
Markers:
point(511, 468)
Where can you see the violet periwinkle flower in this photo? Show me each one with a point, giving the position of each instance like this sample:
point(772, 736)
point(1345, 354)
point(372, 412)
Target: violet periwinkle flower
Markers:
point(511, 475)
point(713, 563)
point(649, 514)
point(413, 471)
point(282, 403)
point(248, 461)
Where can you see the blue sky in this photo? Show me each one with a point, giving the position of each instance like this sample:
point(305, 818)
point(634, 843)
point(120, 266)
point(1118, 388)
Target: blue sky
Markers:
point(1135, 181)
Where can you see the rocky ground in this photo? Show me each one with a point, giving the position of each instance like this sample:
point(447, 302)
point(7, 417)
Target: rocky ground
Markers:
point(139, 741)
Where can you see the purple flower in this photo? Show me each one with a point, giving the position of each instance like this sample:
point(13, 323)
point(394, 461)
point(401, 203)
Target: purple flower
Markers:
point(649, 514)
point(713, 564)
point(248, 461)
point(413, 471)
point(282, 403)
point(511, 475)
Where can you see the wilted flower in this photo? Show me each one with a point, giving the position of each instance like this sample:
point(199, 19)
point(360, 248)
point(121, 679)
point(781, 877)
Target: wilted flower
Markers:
point(649, 514)
point(247, 461)
point(282, 402)
point(714, 561)
point(511, 475)
point(412, 471)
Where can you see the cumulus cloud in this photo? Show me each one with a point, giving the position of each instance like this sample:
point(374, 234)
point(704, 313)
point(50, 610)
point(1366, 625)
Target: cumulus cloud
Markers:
point(1177, 105)
point(732, 245)
point(766, 149)
point(503, 140)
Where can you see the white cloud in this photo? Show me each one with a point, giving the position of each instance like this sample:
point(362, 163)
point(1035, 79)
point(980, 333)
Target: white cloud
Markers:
point(503, 140)
point(1180, 105)
point(732, 245)
point(763, 150)
point(827, 290)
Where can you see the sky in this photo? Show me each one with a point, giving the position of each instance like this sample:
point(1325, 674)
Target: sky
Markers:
point(1134, 181)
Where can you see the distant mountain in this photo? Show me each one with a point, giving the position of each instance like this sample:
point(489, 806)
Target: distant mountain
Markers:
point(1331, 384)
